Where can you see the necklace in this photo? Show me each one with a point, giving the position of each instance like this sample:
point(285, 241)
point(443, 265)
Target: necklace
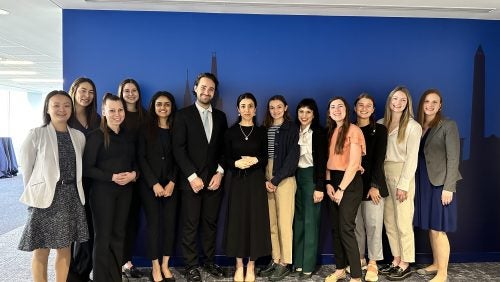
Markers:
point(246, 135)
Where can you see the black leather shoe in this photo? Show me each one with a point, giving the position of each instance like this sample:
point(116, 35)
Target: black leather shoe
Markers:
point(279, 273)
point(268, 270)
point(387, 269)
point(399, 274)
point(214, 269)
point(193, 274)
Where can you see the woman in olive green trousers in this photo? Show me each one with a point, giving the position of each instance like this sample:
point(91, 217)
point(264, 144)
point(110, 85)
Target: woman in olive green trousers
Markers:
point(310, 188)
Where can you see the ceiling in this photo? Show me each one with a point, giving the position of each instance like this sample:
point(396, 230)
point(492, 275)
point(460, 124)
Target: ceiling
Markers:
point(32, 31)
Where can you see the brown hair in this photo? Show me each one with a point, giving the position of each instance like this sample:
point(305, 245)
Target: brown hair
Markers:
point(138, 104)
point(268, 120)
point(365, 95)
point(420, 113)
point(331, 125)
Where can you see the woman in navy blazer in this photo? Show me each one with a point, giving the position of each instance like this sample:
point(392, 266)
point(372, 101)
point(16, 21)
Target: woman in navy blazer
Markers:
point(283, 153)
point(437, 175)
point(51, 162)
point(158, 178)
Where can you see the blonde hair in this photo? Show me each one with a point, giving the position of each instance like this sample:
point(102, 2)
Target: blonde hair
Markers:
point(405, 116)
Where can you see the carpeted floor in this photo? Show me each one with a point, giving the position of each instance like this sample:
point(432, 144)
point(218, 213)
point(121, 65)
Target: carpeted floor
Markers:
point(15, 265)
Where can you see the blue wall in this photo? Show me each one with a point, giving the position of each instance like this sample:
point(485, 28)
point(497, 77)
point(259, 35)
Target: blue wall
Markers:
point(302, 56)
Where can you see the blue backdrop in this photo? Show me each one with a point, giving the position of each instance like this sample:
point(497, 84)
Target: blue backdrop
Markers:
point(310, 56)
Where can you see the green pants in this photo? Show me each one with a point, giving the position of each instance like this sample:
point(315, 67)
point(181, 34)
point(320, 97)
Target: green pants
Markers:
point(306, 222)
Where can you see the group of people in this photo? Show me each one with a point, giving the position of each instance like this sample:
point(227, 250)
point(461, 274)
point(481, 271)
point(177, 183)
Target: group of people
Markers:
point(86, 178)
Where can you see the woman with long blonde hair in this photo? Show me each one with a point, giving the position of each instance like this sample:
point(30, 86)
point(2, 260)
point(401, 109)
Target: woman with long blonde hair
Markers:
point(400, 166)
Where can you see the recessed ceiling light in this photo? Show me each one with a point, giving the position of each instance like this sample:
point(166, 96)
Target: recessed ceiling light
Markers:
point(14, 72)
point(4, 12)
point(37, 80)
point(12, 62)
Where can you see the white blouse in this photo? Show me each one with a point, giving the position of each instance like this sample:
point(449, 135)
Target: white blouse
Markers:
point(405, 152)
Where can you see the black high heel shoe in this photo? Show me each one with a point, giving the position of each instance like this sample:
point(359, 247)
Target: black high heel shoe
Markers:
point(153, 279)
point(167, 279)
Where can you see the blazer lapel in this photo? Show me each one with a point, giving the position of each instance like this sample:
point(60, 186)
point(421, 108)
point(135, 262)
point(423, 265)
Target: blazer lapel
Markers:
point(197, 120)
point(433, 132)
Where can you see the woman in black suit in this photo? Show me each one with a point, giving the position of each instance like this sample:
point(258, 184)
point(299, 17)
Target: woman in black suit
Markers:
point(109, 161)
point(159, 175)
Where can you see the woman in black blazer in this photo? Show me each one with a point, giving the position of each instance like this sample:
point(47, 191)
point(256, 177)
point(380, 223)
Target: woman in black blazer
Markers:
point(310, 188)
point(159, 175)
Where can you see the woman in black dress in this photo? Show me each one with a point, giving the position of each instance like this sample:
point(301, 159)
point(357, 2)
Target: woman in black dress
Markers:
point(109, 160)
point(247, 230)
point(157, 182)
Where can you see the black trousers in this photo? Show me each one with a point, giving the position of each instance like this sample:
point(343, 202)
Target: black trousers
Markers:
point(110, 207)
point(199, 214)
point(161, 219)
point(345, 246)
point(132, 224)
point(81, 253)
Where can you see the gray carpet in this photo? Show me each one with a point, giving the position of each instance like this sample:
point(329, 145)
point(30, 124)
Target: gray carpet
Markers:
point(15, 265)
point(456, 272)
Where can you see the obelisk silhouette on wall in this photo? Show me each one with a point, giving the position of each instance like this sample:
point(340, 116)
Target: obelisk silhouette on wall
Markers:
point(478, 100)
point(188, 95)
point(217, 101)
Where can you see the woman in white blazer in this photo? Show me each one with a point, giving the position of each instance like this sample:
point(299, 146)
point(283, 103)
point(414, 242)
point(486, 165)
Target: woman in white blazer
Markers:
point(51, 164)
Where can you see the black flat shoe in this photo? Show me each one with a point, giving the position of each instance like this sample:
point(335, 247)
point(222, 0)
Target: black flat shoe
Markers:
point(168, 279)
point(387, 269)
point(279, 273)
point(399, 274)
point(268, 270)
